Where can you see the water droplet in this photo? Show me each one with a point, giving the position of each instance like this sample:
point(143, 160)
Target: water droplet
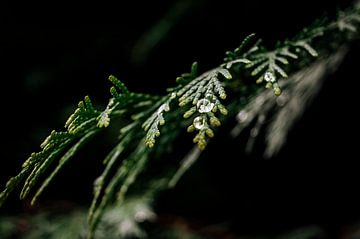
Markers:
point(204, 106)
point(269, 76)
point(199, 122)
point(242, 116)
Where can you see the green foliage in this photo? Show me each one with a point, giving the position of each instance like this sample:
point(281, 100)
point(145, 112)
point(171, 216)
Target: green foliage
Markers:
point(152, 123)
point(204, 93)
point(277, 116)
point(80, 127)
point(203, 100)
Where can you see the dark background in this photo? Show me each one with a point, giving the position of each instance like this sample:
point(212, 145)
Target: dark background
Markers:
point(54, 54)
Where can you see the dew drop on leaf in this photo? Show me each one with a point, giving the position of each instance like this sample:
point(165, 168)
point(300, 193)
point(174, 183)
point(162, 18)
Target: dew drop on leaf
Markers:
point(199, 122)
point(204, 106)
point(269, 77)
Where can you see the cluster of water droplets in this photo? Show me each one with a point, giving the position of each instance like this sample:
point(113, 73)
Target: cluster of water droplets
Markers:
point(203, 106)
point(269, 77)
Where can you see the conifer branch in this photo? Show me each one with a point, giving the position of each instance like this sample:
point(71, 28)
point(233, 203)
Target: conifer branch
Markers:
point(203, 100)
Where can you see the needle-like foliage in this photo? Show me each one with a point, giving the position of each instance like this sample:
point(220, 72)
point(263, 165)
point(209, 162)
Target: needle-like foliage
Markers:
point(150, 124)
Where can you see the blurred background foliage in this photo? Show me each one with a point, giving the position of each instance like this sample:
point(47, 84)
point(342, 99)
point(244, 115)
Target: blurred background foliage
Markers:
point(54, 54)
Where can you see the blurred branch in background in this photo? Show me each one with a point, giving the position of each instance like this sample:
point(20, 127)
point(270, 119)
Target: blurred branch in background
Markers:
point(278, 116)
